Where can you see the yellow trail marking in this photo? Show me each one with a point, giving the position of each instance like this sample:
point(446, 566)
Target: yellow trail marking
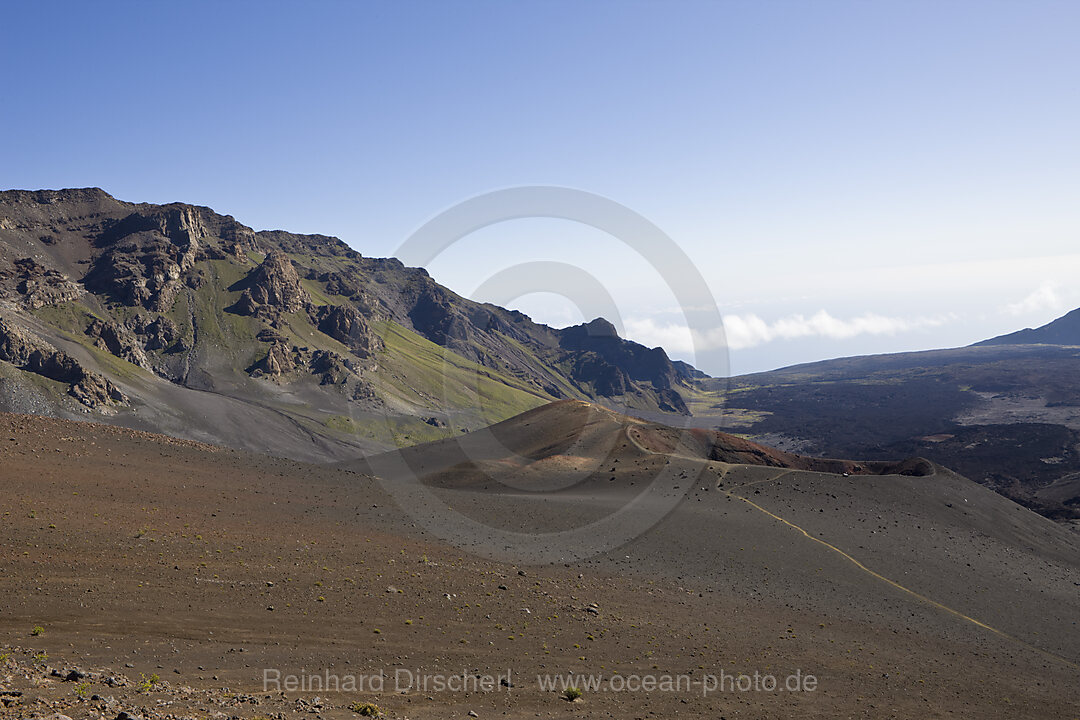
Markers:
point(900, 587)
point(933, 603)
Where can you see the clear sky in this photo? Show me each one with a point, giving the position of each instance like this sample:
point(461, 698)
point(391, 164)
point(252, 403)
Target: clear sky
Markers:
point(849, 177)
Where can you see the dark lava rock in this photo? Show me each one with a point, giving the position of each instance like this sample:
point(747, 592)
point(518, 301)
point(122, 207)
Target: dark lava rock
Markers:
point(272, 288)
point(32, 354)
point(346, 325)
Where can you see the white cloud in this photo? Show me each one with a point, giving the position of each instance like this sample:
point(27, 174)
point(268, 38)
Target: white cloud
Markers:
point(749, 330)
point(674, 338)
point(1045, 297)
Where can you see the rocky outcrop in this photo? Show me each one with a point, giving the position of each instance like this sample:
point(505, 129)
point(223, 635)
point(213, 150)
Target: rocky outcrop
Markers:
point(671, 401)
point(32, 354)
point(159, 333)
point(169, 261)
point(132, 339)
point(434, 316)
point(38, 286)
point(334, 369)
point(336, 283)
point(272, 288)
point(269, 335)
point(607, 380)
point(118, 340)
point(638, 362)
point(346, 325)
point(280, 360)
point(146, 256)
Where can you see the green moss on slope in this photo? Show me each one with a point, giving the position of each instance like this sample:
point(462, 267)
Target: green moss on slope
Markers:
point(419, 372)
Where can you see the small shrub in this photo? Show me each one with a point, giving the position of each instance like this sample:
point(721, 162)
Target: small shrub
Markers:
point(572, 693)
point(367, 710)
point(38, 630)
point(148, 683)
point(82, 690)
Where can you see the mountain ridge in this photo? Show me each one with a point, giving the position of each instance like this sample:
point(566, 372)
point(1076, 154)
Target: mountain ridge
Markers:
point(1065, 330)
point(1004, 412)
point(357, 353)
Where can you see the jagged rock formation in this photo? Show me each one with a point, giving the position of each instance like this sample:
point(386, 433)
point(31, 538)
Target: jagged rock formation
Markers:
point(433, 315)
point(347, 325)
point(280, 360)
point(272, 288)
point(619, 361)
point(337, 284)
point(160, 333)
point(133, 339)
point(34, 355)
point(36, 285)
point(205, 303)
point(333, 369)
point(118, 340)
point(146, 255)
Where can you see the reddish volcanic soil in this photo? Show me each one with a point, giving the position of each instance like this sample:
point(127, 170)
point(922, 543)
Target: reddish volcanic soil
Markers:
point(139, 556)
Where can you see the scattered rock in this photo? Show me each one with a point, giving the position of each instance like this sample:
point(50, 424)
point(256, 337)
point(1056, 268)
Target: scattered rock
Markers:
point(268, 335)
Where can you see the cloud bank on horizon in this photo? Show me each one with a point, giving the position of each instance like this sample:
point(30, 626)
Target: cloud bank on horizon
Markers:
point(749, 330)
point(1045, 297)
point(745, 331)
point(849, 177)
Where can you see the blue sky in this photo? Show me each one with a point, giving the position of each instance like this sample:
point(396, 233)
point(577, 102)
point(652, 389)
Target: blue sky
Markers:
point(849, 177)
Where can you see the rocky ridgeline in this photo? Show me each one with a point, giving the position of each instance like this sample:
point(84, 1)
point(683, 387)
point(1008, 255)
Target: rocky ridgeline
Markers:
point(145, 259)
point(32, 354)
point(612, 366)
point(155, 285)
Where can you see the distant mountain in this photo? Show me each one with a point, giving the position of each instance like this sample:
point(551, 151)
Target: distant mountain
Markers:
point(1063, 331)
point(177, 319)
point(1004, 415)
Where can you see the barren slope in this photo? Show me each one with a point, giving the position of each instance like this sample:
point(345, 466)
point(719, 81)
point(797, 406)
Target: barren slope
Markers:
point(907, 596)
